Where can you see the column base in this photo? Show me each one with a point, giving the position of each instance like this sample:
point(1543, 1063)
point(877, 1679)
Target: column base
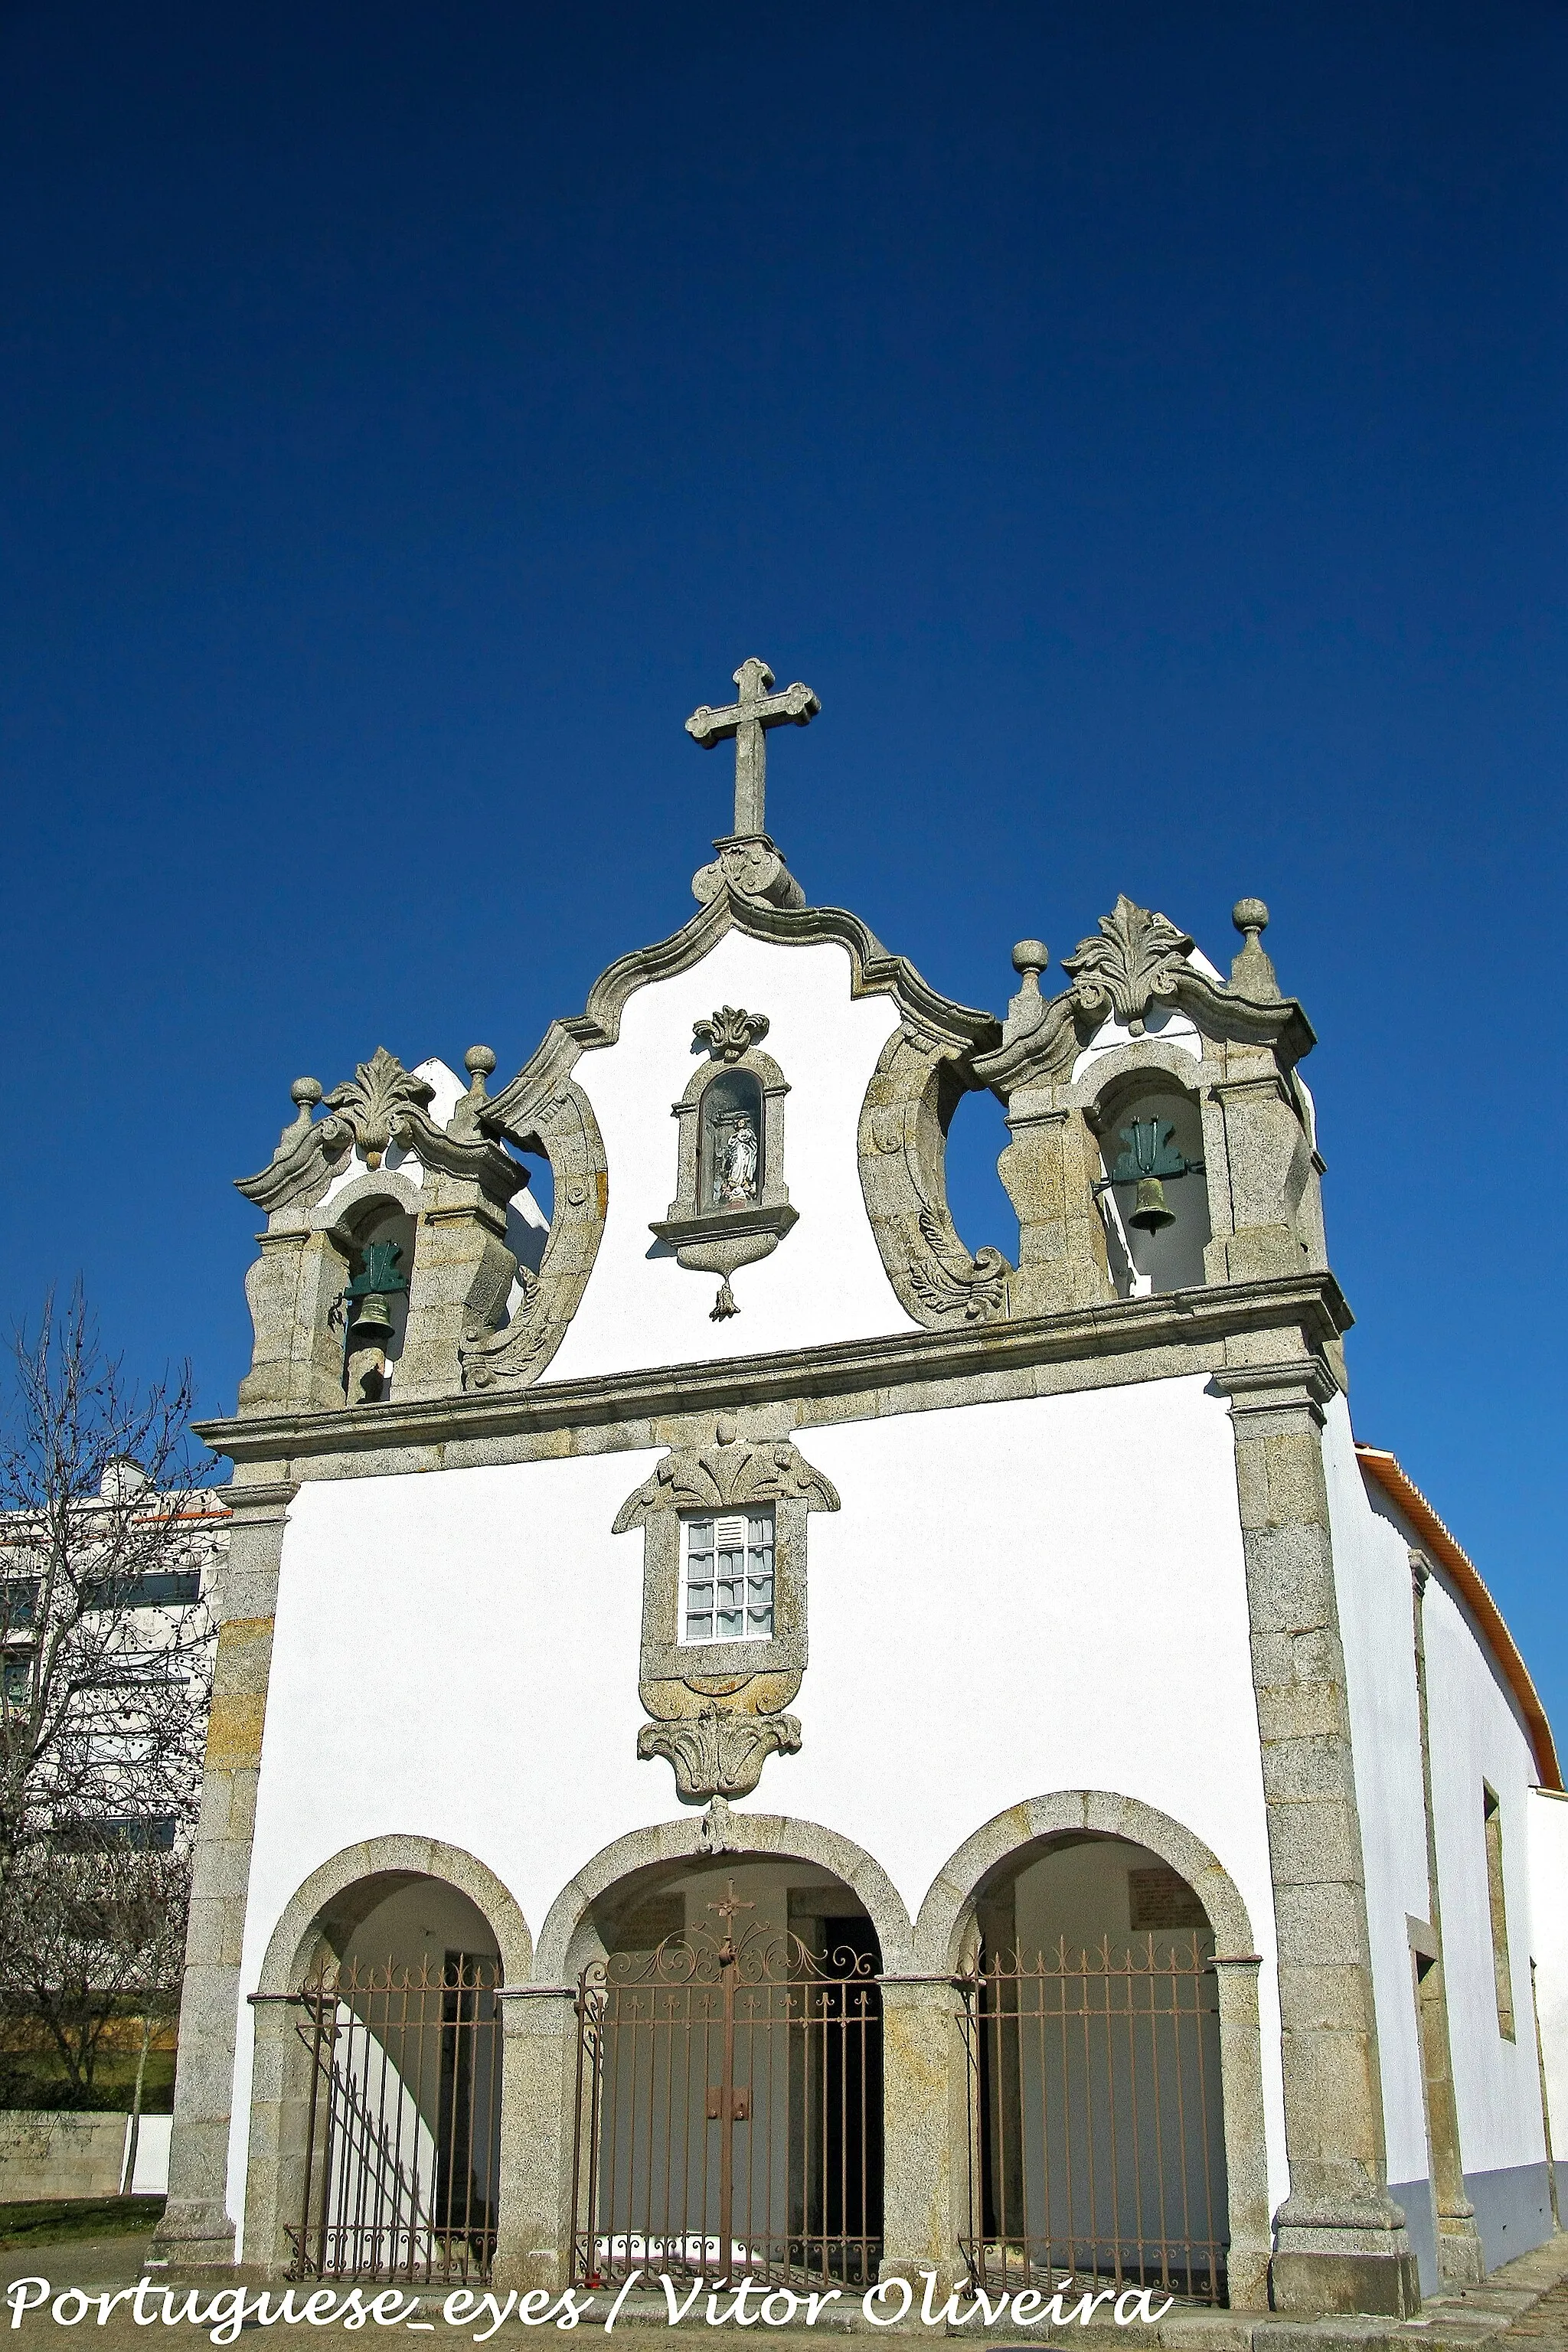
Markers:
point(195, 2234)
point(1352, 2257)
point(1388, 2285)
point(1461, 2257)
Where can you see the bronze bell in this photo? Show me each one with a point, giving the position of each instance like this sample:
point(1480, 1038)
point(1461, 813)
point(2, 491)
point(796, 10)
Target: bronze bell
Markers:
point(372, 1319)
point(1149, 1214)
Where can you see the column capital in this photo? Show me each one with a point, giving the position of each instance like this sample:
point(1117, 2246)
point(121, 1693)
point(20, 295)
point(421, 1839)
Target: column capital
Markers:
point(261, 1501)
point(1304, 1386)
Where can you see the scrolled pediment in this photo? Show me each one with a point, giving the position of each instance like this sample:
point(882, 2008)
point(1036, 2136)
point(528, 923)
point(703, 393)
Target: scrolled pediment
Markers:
point(1136, 960)
point(382, 1104)
point(725, 1476)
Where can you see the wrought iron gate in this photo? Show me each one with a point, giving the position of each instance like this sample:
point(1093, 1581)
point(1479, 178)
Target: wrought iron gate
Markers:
point(403, 2128)
point(1096, 2140)
point(729, 2113)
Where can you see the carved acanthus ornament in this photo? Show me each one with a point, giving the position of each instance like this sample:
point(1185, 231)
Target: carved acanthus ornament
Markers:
point(373, 1106)
point(1137, 958)
point(949, 1281)
point(719, 1755)
point(383, 1106)
point(731, 1032)
point(725, 1477)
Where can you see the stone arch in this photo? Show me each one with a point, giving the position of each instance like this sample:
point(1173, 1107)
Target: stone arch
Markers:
point(384, 1187)
point(1165, 1083)
point(949, 1907)
point(379, 1859)
point(945, 1913)
point(1124, 1070)
point(763, 1835)
point(344, 1888)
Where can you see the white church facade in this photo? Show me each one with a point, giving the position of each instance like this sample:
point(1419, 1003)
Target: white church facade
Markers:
point(753, 1741)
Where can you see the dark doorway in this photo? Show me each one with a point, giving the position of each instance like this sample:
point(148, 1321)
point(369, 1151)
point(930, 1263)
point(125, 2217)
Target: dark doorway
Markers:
point(844, 2181)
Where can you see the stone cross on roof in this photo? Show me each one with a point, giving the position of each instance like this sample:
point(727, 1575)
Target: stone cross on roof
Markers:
point(747, 720)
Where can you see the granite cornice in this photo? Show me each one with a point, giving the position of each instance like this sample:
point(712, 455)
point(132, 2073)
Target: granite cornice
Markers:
point(1168, 1337)
point(873, 973)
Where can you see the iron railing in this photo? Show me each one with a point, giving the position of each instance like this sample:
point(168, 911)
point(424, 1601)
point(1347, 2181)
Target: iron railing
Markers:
point(1096, 2142)
point(729, 2110)
point(403, 2127)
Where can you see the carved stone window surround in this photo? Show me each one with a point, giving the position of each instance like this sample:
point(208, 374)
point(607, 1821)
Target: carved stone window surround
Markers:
point(717, 1708)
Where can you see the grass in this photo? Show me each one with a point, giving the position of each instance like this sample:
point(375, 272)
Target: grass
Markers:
point(54, 2220)
point(39, 2081)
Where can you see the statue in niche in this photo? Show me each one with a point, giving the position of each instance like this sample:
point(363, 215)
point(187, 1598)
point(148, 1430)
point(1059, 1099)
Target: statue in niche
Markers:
point(735, 1158)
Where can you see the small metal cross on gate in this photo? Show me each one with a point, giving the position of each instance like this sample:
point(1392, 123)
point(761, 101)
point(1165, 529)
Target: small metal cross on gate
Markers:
point(727, 1910)
point(748, 721)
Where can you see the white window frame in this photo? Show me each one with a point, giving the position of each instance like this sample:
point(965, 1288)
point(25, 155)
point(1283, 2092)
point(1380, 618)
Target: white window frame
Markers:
point(751, 1534)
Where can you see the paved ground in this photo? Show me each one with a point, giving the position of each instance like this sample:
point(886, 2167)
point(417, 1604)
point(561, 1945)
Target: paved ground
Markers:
point(1547, 2325)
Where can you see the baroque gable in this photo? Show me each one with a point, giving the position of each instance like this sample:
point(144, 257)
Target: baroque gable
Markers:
point(827, 1145)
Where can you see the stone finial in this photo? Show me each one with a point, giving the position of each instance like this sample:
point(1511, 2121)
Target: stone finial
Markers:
point(1030, 958)
point(304, 1094)
point(478, 1062)
point(1252, 973)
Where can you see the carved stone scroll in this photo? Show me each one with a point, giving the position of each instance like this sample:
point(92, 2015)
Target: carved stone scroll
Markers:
point(715, 1754)
point(902, 1147)
point(545, 1110)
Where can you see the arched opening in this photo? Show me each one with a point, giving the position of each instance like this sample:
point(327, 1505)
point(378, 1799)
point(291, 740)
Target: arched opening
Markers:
point(390, 2137)
point(373, 1307)
point(728, 2077)
point(1154, 1193)
point(1096, 2108)
point(977, 1134)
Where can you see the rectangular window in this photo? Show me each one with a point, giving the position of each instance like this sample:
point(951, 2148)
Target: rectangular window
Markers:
point(168, 1588)
point(118, 1833)
point(727, 1578)
point(1491, 1814)
point(18, 1600)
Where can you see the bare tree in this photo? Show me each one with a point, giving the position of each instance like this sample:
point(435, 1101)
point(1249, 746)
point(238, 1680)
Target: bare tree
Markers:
point(106, 1644)
point(93, 1939)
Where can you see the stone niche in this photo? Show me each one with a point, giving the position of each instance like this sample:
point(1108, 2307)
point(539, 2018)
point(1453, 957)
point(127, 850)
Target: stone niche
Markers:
point(731, 1205)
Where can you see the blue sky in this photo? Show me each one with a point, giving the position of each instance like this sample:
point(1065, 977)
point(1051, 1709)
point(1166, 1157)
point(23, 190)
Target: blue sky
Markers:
point(1143, 427)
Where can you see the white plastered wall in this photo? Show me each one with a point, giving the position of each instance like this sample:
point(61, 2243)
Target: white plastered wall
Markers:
point(1546, 1813)
point(825, 1280)
point(1015, 1599)
point(1476, 1736)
